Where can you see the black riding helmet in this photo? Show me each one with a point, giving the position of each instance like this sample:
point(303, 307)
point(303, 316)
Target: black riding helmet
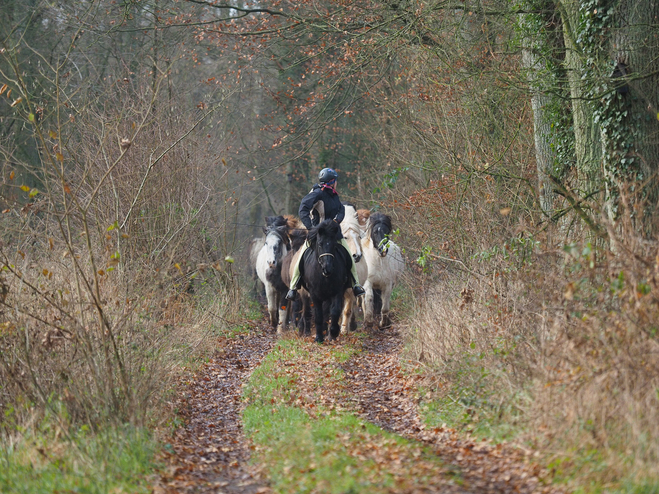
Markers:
point(326, 175)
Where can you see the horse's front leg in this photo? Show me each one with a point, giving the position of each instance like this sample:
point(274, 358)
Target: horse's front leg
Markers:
point(385, 321)
point(304, 324)
point(347, 316)
point(284, 312)
point(335, 314)
point(369, 319)
point(271, 294)
point(319, 319)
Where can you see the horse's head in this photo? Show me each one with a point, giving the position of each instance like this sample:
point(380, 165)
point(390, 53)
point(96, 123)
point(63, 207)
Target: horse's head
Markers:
point(298, 237)
point(379, 230)
point(276, 245)
point(352, 232)
point(324, 239)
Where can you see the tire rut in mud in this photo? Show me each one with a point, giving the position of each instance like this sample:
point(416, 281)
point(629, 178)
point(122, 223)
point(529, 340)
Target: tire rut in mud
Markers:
point(210, 452)
point(385, 396)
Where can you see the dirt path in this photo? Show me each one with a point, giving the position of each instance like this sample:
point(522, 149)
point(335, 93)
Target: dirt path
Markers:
point(385, 396)
point(210, 453)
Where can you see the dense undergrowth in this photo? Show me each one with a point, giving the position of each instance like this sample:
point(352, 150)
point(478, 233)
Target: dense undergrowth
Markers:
point(114, 275)
point(534, 323)
point(47, 447)
point(554, 347)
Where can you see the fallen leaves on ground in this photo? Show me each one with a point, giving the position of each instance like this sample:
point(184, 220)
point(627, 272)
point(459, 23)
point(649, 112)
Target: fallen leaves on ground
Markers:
point(349, 376)
point(385, 396)
point(210, 452)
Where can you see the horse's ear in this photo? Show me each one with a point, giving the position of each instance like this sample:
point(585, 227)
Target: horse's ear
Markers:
point(270, 220)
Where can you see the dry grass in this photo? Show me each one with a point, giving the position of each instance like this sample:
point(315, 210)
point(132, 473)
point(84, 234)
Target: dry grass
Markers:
point(108, 362)
point(563, 345)
point(104, 260)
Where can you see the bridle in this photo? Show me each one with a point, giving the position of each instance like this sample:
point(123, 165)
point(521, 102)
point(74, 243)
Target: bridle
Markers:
point(321, 265)
point(325, 254)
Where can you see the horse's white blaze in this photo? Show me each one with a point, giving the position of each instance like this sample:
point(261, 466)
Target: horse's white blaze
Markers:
point(272, 252)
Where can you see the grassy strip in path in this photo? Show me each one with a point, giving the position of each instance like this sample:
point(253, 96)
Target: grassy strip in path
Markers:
point(309, 439)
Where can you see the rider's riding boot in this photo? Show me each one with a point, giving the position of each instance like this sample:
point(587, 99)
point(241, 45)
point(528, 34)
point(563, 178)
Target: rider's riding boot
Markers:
point(358, 290)
point(291, 294)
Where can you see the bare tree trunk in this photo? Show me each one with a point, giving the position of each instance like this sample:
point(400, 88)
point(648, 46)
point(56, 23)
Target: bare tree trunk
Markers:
point(544, 154)
point(288, 201)
point(587, 142)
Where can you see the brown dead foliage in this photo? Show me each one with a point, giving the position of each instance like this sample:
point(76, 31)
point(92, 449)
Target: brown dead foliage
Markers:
point(210, 452)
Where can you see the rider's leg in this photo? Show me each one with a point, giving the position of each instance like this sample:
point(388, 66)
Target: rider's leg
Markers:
point(357, 289)
point(295, 280)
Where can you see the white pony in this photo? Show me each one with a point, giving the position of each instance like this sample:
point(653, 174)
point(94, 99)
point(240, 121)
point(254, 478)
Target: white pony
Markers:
point(353, 234)
point(385, 265)
point(268, 269)
point(255, 246)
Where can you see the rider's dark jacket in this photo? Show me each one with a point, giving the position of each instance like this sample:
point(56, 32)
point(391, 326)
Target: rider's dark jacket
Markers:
point(321, 200)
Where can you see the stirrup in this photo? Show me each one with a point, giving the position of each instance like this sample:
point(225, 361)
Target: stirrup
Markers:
point(291, 295)
point(358, 290)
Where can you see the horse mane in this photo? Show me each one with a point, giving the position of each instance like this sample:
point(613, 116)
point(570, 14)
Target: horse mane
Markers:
point(350, 221)
point(281, 231)
point(293, 222)
point(297, 236)
point(327, 228)
point(379, 219)
point(362, 217)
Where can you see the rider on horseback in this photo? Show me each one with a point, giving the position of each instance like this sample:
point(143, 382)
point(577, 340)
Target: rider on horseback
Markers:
point(322, 201)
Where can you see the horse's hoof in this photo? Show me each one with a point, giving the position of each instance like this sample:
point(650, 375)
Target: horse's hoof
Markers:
point(320, 341)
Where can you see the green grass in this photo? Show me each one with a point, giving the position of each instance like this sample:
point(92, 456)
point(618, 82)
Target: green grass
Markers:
point(114, 461)
point(473, 402)
point(329, 451)
point(467, 414)
point(582, 470)
point(638, 487)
